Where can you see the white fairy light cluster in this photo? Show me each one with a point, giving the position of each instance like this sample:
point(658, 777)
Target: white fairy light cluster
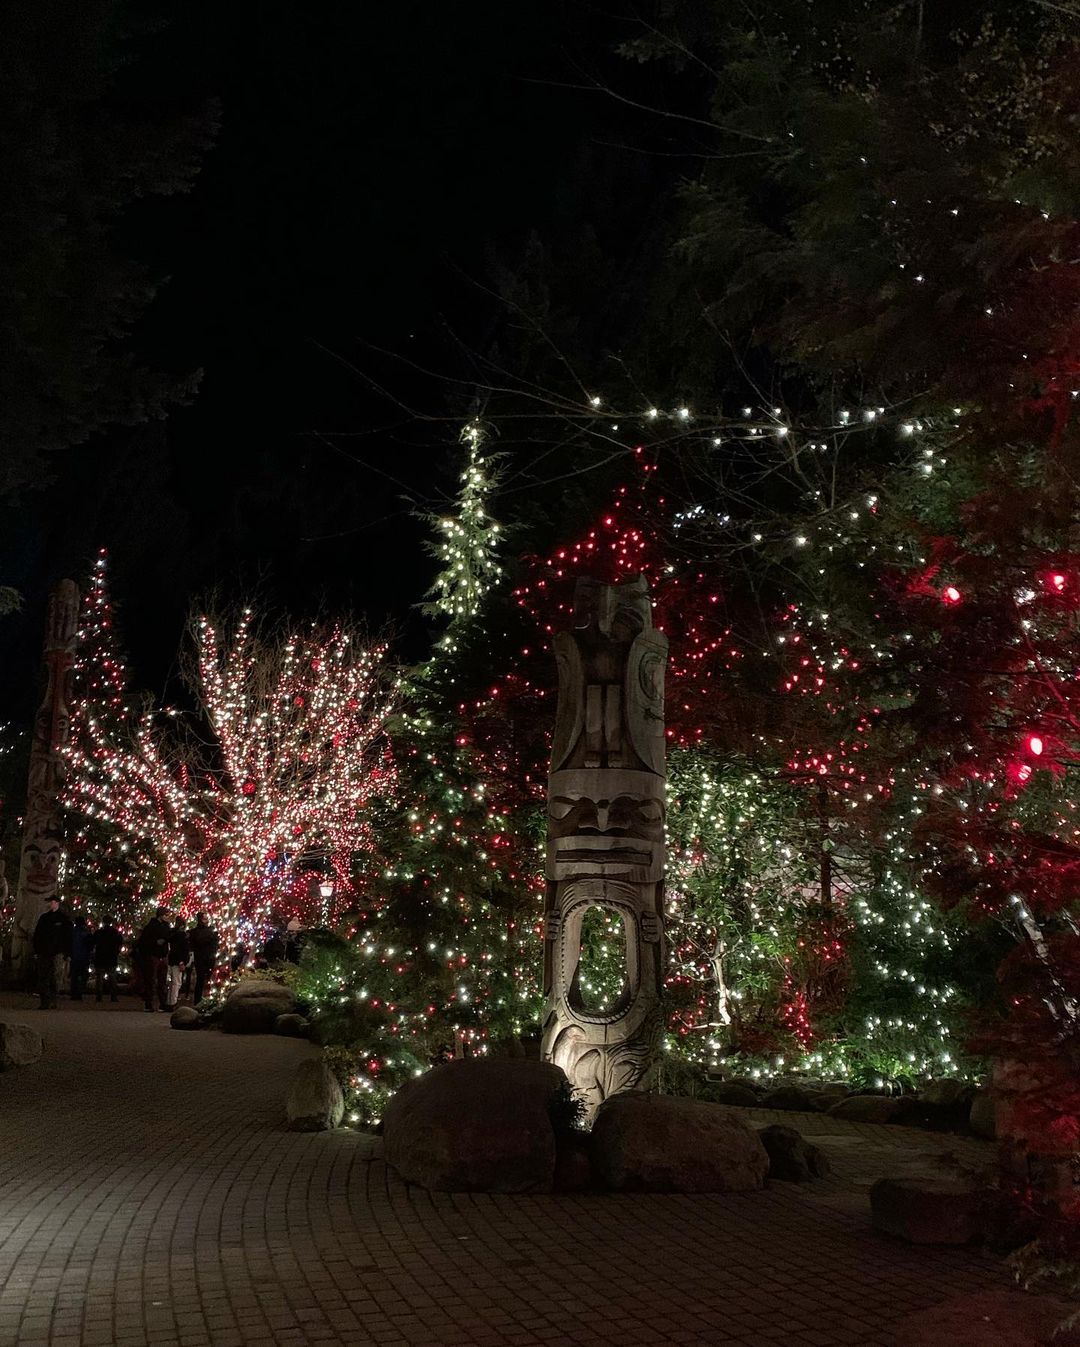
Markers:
point(286, 757)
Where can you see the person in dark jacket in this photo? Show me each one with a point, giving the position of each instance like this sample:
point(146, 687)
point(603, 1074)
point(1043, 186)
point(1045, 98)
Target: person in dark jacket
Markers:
point(274, 949)
point(108, 942)
point(82, 948)
point(52, 945)
point(179, 954)
point(204, 941)
point(153, 950)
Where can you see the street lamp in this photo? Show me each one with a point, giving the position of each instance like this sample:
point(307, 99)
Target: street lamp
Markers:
point(326, 892)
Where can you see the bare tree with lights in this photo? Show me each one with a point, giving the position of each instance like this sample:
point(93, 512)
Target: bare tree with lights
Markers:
point(284, 762)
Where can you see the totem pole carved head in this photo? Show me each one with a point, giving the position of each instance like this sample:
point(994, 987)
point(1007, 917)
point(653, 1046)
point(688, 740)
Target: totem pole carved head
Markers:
point(42, 848)
point(607, 822)
point(61, 630)
point(612, 612)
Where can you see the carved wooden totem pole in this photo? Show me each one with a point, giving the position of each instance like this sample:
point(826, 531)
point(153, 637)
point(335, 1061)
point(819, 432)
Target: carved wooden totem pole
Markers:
point(606, 837)
point(43, 830)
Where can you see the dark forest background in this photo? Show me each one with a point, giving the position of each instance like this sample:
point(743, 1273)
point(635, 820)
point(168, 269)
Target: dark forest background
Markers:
point(331, 197)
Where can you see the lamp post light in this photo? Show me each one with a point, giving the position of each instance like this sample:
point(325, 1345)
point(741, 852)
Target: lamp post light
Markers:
point(326, 892)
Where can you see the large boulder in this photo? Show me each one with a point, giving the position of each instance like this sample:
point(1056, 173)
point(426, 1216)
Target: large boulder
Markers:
point(940, 1106)
point(929, 1207)
point(253, 1006)
point(659, 1144)
point(791, 1157)
point(828, 1095)
point(912, 1110)
point(479, 1125)
point(982, 1117)
point(184, 1017)
point(260, 988)
point(790, 1099)
point(315, 1102)
point(20, 1045)
point(731, 1093)
point(947, 1092)
point(251, 1015)
point(866, 1108)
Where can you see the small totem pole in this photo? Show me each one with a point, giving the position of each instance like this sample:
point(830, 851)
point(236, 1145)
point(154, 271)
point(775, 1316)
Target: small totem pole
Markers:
point(606, 836)
point(43, 830)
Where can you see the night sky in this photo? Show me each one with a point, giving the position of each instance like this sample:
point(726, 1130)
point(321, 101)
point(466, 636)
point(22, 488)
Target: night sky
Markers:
point(374, 164)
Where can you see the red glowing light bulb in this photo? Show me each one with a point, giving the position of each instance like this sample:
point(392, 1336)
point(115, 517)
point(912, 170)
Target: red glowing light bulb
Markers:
point(1035, 745)
point(951, 594)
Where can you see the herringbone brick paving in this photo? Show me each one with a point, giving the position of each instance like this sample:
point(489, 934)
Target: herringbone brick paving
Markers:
point(149, 1197)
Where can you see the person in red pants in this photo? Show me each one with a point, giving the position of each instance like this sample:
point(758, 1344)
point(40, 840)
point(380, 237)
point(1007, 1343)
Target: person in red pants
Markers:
point(152, 948)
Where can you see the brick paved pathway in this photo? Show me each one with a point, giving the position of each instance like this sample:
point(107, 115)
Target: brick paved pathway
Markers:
point(150, 1198)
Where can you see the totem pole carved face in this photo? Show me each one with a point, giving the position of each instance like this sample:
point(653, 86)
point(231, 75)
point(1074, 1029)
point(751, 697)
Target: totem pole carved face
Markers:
point(605, 822)
point(41, 853)
point(615, 612)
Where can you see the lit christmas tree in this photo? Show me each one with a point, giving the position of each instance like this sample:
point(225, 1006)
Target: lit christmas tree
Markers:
point(989, 613)
point(444, 961)
point(108, 873)
point(469, 851)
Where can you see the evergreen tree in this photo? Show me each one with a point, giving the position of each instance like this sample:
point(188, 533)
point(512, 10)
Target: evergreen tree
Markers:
point(903, 197)
point(444, 960)
point(109, 874)
point(80, 149)
point(895, 265)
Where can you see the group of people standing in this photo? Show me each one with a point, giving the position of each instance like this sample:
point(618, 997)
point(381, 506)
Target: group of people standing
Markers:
point(166, 953)
point(171, 952)
point(60, 941)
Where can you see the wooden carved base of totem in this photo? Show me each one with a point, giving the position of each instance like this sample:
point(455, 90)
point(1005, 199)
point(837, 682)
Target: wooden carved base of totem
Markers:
point(606, 839)
point(606, 1051)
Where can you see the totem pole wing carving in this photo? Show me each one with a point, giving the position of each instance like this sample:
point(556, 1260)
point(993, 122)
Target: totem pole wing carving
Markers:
point(570, 716)
point(630, 1065)
point(645, 698)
